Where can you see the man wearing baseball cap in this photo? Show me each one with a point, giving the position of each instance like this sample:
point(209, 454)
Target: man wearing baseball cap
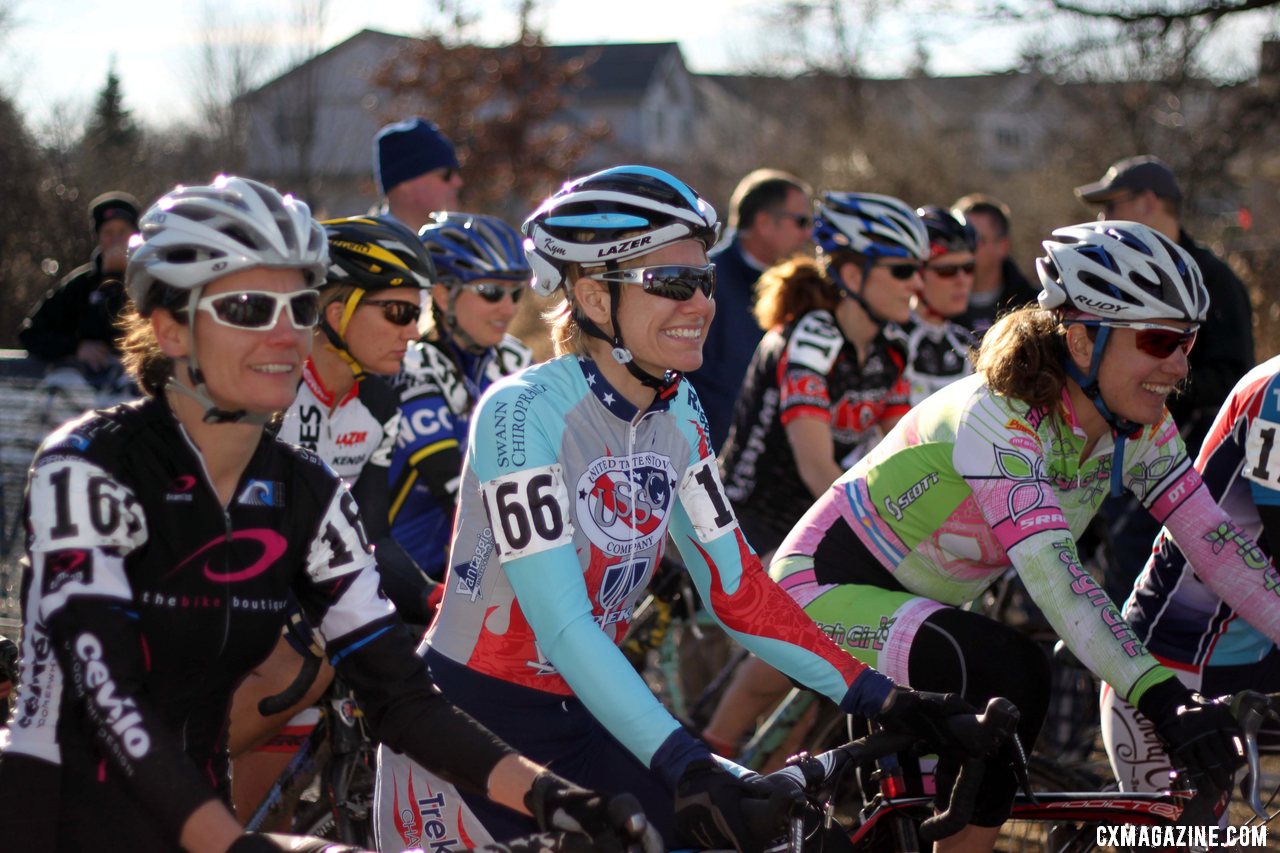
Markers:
point(417, 171)
point(76, 321)
point(1143, 189)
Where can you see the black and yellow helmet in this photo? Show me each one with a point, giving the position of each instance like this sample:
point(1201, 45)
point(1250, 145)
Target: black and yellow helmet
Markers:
point(376, 252)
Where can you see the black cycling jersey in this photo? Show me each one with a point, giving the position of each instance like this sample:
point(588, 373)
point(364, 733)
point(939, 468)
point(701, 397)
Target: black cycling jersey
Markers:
point(147, 601)
point(807, 369)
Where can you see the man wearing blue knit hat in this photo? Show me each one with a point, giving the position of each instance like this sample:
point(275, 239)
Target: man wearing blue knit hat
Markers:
point(416, 170)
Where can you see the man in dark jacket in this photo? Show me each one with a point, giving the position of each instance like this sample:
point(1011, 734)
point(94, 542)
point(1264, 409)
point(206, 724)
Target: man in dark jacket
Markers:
point(76, 321)
point(998, 285)
point(1143, 189)
point(773, 216)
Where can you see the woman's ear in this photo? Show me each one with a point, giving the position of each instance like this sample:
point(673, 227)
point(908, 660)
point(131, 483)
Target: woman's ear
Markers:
point(851, 276)
point(440, 296)
point(333, 313)
point(1080, 346)
point(173, 338)
point(592, 299)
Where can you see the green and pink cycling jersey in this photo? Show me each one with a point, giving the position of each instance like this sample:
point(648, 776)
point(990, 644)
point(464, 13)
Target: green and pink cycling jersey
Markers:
point(971, 483)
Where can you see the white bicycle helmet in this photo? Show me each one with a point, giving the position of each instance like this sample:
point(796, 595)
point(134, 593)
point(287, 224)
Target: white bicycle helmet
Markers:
point(582, 223)
point(877, 226)
point(1120, 270)
point(194, 235)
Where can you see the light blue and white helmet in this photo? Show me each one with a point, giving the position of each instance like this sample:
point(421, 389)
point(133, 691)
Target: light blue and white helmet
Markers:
point(585, 222)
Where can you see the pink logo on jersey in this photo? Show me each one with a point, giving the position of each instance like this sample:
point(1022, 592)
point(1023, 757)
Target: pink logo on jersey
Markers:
point(268, 545)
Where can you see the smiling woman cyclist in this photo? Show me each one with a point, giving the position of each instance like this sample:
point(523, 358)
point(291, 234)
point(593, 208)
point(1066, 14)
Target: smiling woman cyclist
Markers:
point(1005, 468)
point(576, 472)
point(166, 538)
point(481, 273)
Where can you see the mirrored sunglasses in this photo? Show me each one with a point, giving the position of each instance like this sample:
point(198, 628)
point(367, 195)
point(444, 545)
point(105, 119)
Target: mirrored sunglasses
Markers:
point(396, 311)
point(491, 292)
point(1156, 340)
point(260, 309)
point(672, 281)
point(950, 270)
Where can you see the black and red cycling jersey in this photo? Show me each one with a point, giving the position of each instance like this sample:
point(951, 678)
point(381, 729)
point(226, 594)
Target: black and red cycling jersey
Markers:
point(147, 601)
point(805, 369)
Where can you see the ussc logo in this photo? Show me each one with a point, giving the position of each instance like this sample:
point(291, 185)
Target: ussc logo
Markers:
point(623, 501)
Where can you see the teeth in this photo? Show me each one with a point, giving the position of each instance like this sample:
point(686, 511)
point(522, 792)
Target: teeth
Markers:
point(683, 333)
point(1158, 389)
point(273, 368)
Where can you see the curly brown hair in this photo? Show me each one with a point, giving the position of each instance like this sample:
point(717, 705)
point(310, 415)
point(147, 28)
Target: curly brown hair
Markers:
point(792, 289)
point(1023, 354)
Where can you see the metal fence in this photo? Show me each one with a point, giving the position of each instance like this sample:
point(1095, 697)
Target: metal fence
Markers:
point(33, 402)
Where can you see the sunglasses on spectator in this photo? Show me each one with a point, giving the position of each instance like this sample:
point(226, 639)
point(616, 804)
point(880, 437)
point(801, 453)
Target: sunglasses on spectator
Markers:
point(447, 173)
point(803, 220)
point(260, 309)
point(396, 311)
point(1154, 339)
point(670, 281)
point(902, 272)
point(490, 292)
point(950, 270)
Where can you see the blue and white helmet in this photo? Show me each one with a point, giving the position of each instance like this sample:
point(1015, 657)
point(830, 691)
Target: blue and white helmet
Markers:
point(877, 226)
point(1121, 271)
point(469, 246)
point(585, 222)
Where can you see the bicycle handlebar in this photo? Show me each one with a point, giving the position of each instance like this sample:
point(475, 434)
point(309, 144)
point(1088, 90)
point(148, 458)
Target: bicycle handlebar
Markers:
point(284, 700)
point(1251, 709)
point(813, 774)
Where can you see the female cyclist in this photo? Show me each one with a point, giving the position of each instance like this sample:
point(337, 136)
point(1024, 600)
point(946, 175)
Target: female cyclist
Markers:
point(166, 538)
point(346, 413)
point(1005, 468)
point(576, 471)
point(1218, 637)
point(937, 347)
point(825, 382)
point(481, 273)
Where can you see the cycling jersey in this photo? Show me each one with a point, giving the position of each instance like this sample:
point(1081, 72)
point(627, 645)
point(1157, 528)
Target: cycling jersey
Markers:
point(806, 369)
point(971, 482)
point(1182, 620)
point(572, 494)
point(147, 601)
point(346, 433)
point(937, 355)
point(438, 384)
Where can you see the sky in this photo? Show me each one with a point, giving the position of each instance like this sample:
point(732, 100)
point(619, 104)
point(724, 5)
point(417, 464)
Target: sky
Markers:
point(59, 51)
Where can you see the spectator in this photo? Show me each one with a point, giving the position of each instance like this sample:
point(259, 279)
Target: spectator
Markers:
point(771, 213)
point(1143, 189)
point(76, 321)
point(998, 285)
point(416, 170)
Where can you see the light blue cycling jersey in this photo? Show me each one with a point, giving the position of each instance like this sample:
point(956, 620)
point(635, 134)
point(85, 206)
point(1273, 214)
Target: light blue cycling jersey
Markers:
point(567, 498)
point(1182, 621)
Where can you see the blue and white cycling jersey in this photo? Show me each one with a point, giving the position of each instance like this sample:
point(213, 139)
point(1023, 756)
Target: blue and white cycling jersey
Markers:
point(1180, 619)
point(438, 384)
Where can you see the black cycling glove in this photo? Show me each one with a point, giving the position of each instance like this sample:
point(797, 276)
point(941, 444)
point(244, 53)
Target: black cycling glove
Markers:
point(1201, 735)
point(610, 823)
point(942, 719)
point(709, 807)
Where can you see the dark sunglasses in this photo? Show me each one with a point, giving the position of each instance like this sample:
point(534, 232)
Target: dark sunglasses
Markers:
point(671, 281)
point(1154, 339)
point(490, 292)
point(396, 311)
point(803, 220)
point(950, 270)
point(260, 309)
point(447, 173)
point(901, 272)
